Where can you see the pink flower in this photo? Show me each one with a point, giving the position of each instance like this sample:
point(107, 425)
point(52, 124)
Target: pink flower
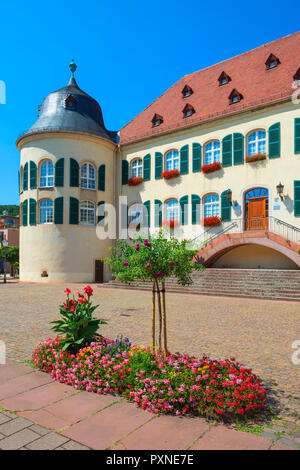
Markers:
point(67, 291)
point(125, 263)
point(148, 265)
point(171, 263)
point(137, 247)
point(159, 274)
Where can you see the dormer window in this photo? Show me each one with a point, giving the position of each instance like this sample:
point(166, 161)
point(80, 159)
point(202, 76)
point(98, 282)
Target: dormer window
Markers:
point(297, 75)
point(188, 110)
point(157, 120)
point(272, 62)
point(224, 78)
point(187, 91)
point(235, 97)
point(70, 102)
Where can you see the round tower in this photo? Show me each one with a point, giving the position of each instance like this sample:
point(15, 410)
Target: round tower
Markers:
point(67, 170)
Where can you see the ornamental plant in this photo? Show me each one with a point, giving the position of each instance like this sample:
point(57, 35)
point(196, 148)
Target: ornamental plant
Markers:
point(77, 324)
point(171, 223)
point(211, 167)
point(169, 174)
point(135, 181)
point(154, 259)
point(211, 221)
point(256, 158)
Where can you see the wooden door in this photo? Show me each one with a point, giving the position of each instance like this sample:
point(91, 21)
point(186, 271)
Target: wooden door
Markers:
point(257, 219)
point(99, 271)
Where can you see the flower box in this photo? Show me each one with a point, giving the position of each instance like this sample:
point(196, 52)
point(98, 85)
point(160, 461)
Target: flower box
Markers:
point(212, 221)
point(135, 181)
point(256, 158)
point(169, 174)
point(171, 223)
point(211, 167)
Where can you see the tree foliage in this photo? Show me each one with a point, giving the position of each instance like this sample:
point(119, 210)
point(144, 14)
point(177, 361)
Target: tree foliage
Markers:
point(11, 209)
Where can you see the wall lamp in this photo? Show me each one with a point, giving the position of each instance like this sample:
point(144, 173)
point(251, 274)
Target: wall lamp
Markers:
point(280, 188)
point(229, 196)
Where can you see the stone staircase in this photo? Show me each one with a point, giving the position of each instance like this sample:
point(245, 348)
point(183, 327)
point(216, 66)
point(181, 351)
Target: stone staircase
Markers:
point(275, 284)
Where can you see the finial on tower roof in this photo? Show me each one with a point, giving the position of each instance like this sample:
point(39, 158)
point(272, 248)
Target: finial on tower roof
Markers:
point(72, 67)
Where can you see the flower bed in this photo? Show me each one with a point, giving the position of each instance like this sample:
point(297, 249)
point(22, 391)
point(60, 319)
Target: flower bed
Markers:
point(167, 175)
point(135, 181)
point(170, 223)
point(173, 384)
point(211, 221)
point(211, 167)
point(256, 158)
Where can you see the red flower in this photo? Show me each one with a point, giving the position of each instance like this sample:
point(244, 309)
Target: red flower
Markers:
point(170, 223)
point(211, 221)
point(135, 181)
point(211, 167)
point(88, 291)
point(256, 158)
point(67, 291)
point(169, 174)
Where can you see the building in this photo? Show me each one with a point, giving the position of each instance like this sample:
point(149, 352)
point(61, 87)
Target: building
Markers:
point(9, 230)
point(218, 154)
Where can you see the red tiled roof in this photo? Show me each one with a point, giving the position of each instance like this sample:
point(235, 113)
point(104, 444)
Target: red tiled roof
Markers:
point(249, 76)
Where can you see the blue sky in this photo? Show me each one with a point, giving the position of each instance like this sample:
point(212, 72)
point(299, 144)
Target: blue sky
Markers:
point(128, 53)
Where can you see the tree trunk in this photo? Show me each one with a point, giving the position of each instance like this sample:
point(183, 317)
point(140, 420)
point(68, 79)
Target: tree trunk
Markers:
point(159, 316)
point(164, 317)
point(153, 316)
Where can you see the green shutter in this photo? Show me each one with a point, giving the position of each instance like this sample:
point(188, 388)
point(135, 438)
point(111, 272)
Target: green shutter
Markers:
point(101, 178)
point(225, 207)
point(158, 165)
point(25, 177)
point(196, 158)
point(195, 209)
point(59, 172)
point(147, 206)
point(59, 210)
point(32, 211)
point(74, 173)
point(33, 175)
point(147, 168)
point(274, 140)
point(125, 171)
point(184, 160)
point(184, 201)
point(24, 213)
point(227, 150)
point(74, 211)
point(157, 213)
point(297, 135)
point(296, 198)
point(19, 182)
point(100, 217)
point(238, 149)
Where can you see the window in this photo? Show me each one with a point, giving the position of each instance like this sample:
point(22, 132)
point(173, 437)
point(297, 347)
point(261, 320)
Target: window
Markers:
point(88, 176)
point(235, 96)
point(135, 214)
point(272, 61)
point(212, 152)
point(136, 168)
point(256, 143)
point(172, 160)
point(297, 75)
point(188, 110)
point(46, 174)
point(211, 205)
point(157, 120)
point(187, 91)
point(70, 102)
point(46, 211)
point(224, 78)
point(172, 209)
point(87, 213)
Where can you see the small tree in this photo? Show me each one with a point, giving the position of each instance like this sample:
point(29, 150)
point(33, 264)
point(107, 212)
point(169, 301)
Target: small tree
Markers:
point(154, 259)
point(12, 257)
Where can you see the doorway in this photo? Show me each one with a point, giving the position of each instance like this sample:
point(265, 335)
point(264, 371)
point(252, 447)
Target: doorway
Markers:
point(99, 271)
point(257, 209)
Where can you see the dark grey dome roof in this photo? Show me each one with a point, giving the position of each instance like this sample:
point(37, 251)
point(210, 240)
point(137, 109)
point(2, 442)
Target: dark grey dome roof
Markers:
point(85, 115)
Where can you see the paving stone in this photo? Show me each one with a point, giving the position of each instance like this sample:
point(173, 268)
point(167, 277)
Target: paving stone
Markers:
point(49, 442)
point(18, 440)
point(39, 429)
point(279, 446)
point(289, 442)
point(72, 445)
point(4, 418)
point(222, 438)
point(1, 436)
point(22, 384)
point(14, 425)
point(269, 435)
point(10, 371)
point(43, 418)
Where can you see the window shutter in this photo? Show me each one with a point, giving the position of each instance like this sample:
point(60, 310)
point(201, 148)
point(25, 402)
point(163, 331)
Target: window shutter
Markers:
point(125, 171)
point(184, 160)
point(74, 173)
point(59, 172)
point(101, 178)
point(184, 210)
point(100, 217)
point(19, 182)
point(227, 150)
point(195, 209)
point(225, 207)
point(238, 149)
point(59, 210)
point(25, 177)
point(24, 213)
point(158, 165)
point(296, 198)
point(274, 140)
point(147, 168)
point(33, 172)
point(297, 135)
point(147, 206)
point(196, 158)
point(157, 213)
point(74, 211)
point(32, 211)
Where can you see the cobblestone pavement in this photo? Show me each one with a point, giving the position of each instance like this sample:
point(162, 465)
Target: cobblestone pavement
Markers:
point(258, 333)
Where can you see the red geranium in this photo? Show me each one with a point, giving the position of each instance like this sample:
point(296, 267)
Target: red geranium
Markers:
point(169, 174)
point(211, 167)
point(170, 223)
point(211, 221)
point(256, 158)
point(135, 181)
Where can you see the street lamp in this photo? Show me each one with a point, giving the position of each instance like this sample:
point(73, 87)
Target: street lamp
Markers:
point(5, 245)
point(279, 188)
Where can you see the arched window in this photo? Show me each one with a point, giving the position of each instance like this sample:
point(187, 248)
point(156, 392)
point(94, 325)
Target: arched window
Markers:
point(212, 152)
point(46, 174)
point(211, 204)
point(172, 160)
point(172, 209)
point(87, 213)
point(88, 176)
point(46, 211)
point(256, 143)
point(136, 168)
